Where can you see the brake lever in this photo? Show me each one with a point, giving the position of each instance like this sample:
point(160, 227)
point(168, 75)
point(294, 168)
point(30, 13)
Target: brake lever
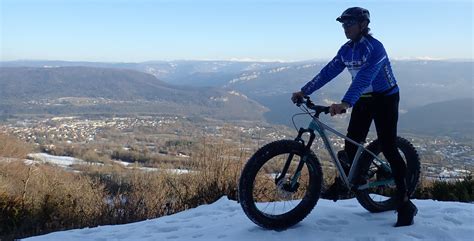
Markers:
point(309, 103)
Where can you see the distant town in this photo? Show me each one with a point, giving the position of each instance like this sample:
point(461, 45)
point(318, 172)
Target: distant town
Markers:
point(443, 158)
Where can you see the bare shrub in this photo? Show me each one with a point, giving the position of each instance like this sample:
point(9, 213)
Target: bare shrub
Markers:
point(215, 173)
point(12, 147)
point(48, 198)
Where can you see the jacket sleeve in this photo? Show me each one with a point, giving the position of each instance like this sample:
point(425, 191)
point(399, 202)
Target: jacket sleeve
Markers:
point(331, 70)
point(365, 76)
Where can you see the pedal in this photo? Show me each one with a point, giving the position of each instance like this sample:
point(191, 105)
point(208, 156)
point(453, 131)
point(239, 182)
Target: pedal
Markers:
point(334, 191)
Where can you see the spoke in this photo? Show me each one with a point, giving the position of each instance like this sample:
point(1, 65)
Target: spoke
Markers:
point(274, 199)
point(268, 203)
point(273, 208)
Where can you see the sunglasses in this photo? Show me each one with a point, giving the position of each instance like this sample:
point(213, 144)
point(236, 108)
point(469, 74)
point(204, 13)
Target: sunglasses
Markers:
point(349, 23)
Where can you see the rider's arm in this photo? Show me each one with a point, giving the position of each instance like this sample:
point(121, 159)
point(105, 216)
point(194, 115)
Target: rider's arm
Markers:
point(375, 60)
point(331, 70)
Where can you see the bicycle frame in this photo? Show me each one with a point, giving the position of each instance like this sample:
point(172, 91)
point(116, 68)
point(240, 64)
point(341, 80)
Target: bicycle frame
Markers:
point(321, 128)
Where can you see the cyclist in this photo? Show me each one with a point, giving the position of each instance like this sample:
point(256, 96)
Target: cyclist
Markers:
point(373, 95)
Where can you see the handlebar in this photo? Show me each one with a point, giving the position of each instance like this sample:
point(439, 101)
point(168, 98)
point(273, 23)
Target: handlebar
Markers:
point(310, 105)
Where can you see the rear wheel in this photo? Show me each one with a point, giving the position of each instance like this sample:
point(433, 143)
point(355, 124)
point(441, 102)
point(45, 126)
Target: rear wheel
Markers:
point(380, 199)
point(274, 204)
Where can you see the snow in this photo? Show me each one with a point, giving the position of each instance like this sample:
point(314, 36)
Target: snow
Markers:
point(123, 163)
point(237, 94)
point(344, 220)
point(221, 99)
point(278, 69)
point(245, 77)
point(63, 161)
point(66, 162)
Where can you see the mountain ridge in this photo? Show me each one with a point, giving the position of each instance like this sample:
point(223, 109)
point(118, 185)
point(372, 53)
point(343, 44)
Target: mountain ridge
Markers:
point(64, 90)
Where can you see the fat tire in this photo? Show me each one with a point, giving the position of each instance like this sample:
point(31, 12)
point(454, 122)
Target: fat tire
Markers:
point(412, 175)
point(249, 172)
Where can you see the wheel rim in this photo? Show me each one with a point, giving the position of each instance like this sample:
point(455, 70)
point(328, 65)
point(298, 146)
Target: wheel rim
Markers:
point(273, 199)
point(383, 195)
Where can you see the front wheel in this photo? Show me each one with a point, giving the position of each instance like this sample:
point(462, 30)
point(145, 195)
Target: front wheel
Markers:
point(382, 199)
point(275, 201)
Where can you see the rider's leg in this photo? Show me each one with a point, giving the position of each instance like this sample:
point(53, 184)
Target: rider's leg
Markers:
point(359, 125)
point(385, 118)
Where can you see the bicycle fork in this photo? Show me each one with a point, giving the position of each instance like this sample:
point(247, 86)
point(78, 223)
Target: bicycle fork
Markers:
point(293, 184)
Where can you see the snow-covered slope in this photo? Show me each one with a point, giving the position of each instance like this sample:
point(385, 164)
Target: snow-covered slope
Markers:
point(343, 220)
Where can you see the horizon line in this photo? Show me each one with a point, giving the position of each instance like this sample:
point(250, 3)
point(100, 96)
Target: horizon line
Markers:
point(424, 58)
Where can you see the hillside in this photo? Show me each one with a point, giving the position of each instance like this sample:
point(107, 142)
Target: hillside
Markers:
point(271, 83)
point(343, 220)
point(422, 82)
point(72, 90)
point(179, 72)
point(452, 118)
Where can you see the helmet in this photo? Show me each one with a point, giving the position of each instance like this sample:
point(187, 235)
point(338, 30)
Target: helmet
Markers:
point(355, 13)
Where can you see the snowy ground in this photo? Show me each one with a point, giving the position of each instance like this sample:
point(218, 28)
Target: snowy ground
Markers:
point(343, 220)
point(62, 161)
point(67, 162)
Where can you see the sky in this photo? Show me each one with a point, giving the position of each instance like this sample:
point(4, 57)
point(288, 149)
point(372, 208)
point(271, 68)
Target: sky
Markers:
point(264, 30)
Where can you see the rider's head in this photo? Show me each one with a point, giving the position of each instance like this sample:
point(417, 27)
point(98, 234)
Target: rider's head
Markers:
point(355, 22)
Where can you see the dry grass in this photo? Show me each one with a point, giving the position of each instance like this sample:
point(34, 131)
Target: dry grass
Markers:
point(36, 199)
point(11, 147)
point(46, 198)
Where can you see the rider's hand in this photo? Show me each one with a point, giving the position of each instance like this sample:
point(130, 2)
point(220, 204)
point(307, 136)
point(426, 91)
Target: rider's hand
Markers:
point(335, 109)
point(297, 97)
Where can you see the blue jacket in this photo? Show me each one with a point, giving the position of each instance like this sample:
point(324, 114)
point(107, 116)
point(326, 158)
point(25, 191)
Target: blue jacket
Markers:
point(368, 64)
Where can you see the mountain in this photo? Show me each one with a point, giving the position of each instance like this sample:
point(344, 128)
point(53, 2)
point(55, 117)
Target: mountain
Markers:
point(179, 72)
point(271, 83)
point(343, 220)
point(452, 118)
point(421, 81)
point(69, 90)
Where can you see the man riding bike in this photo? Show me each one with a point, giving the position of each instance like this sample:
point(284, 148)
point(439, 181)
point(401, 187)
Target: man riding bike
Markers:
point(373, 95)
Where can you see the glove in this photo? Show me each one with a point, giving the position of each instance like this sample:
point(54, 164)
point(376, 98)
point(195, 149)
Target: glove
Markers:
point(297, 97)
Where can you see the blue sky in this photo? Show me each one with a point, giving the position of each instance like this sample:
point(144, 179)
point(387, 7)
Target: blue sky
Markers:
point(142, 30)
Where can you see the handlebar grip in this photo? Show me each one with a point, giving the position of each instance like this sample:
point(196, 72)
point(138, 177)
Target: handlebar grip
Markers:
point(326, 110)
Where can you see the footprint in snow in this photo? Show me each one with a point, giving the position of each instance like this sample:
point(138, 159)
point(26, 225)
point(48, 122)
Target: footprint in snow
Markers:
point(366, 238)
point(144, 236)
point(332, 222)
point(349, 205)
point(171, 221)
point(232, 209)
point(427, 216)
point(199, 214)
point(166, 229)
point(452, 220)
point(452, 210)
point(415, 235)
point(193, 226)
point(88, 231)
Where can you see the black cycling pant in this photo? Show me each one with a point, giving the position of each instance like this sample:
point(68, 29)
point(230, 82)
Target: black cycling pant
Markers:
point(384, 111)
